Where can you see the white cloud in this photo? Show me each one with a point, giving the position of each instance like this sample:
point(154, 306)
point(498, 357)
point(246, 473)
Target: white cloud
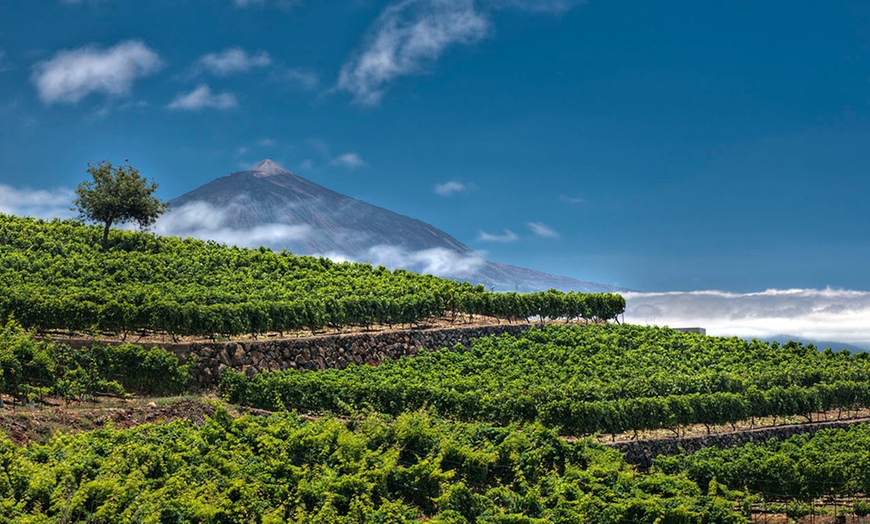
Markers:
point(435, 261)
point(573, 200)
point(506, 237)
point(536, 6)
point(231, 61)
point(299, 78)
point(543, 230)
point(208, 222)
point(450, 188)
point(204, 221)
point(349, 161)
point(41, 203)
point(406, 36)
point(203, 98)
point(812, 314)
point(73, 74)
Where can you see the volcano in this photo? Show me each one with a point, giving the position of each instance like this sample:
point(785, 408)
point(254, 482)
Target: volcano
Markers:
point(269, 205)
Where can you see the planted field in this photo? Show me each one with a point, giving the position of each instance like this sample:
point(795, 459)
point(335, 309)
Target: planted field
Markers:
point(802, 468)
point(285, 469)
point(582, 380)
point(55, 276)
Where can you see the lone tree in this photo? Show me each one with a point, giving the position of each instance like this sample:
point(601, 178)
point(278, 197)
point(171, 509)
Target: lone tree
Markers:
point(117, 195)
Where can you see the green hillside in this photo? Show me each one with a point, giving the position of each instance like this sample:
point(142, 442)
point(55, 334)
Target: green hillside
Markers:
point(282, 468)
point(582, 380)
point(55, 276)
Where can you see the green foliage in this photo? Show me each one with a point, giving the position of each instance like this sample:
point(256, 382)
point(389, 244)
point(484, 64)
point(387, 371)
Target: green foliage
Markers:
point(116, 195)
point(803, 467)
point(582, 380)
point(285, 469)
point(30, 368)
point(24, 362)
point(52, 277)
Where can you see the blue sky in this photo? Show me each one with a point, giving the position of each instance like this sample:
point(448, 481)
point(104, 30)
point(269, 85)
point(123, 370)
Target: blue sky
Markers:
point(659, 146)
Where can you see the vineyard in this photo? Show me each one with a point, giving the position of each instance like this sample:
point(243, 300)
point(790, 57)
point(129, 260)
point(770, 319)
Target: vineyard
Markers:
point(582, 380)
point(54, 276)
point(831, 463)
point(284, 469)
point(453, 435)
point(31, 369)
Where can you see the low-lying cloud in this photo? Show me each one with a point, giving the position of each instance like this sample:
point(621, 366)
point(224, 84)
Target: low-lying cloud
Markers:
point(72, 74)
point(435, 261)
point(832, 315)
point(39, 203)
point(206, 222)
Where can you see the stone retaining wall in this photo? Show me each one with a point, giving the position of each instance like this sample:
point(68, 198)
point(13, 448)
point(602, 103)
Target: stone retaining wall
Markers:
point(322, 352)
point(641, 452)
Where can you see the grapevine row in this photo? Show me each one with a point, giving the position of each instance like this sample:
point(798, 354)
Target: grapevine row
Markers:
point(54, 276)
point(582, 380)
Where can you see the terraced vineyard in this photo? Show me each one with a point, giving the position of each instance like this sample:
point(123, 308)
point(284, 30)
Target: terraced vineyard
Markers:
point(582, 380)
point(55, 276)
point(285, 469)
point(453, 435)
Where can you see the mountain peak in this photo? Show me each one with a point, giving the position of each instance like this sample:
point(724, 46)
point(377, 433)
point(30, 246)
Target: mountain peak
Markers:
point(269, 168)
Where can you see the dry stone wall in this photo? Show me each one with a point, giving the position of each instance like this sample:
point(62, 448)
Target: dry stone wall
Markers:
point(641, 452)
point(322, 352)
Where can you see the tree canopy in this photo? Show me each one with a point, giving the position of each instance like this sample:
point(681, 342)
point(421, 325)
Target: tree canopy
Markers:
point(115, 195)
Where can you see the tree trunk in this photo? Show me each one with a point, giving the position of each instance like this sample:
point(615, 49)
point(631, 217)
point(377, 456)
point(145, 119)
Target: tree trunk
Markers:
point(106, 234)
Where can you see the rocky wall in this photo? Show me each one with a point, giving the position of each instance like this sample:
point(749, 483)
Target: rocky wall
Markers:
point(641, 452)
point(325, 351)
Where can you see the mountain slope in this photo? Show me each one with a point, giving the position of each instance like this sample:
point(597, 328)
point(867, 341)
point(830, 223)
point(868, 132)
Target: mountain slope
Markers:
point(269, 205)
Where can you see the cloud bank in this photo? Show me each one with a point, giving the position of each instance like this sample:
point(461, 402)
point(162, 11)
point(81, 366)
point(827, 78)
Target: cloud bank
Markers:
point(436, 261)
point(203, 98)
point(39, 203)
point(812, 314)
point(207, 222)
point(72, 74)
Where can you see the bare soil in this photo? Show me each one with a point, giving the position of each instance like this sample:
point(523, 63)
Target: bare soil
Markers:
point(24, 426)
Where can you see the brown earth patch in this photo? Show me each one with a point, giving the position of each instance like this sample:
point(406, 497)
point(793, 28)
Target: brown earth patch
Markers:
point(24, 426)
